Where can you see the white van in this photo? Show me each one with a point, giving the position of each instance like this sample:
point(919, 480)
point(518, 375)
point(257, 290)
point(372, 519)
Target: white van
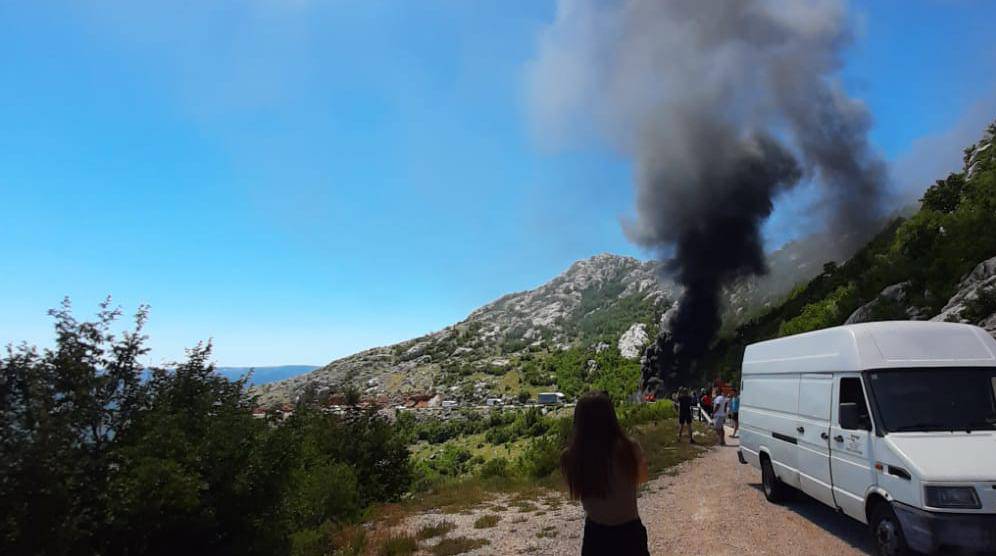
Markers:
point(891, 423)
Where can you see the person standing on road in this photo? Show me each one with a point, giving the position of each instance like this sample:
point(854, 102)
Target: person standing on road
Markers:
point(719, 408)
point(684, 402)
point(735, 413)
point(604, 469)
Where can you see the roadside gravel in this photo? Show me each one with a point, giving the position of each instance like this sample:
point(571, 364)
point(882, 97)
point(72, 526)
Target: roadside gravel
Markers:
point(716, 506)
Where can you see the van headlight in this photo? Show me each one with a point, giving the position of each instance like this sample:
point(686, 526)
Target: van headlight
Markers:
point(952, 497)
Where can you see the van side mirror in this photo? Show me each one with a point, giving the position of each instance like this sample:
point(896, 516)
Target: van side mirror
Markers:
point(851, 418)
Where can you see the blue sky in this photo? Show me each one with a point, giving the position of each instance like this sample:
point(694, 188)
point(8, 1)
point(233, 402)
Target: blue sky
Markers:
point(300, 179)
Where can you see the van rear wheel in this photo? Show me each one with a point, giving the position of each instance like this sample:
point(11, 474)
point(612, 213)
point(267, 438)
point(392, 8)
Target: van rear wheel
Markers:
point(774, 489)
point(887, 533)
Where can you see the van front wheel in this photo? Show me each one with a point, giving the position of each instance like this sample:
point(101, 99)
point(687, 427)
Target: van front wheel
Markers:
point(774, 489)
point(887, 534)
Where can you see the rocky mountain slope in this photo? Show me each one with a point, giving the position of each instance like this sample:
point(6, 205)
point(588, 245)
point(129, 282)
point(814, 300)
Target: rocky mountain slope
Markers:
point(594, 300)
point(606, 301)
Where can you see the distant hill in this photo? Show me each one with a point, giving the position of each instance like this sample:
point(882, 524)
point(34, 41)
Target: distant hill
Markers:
point(265, 375)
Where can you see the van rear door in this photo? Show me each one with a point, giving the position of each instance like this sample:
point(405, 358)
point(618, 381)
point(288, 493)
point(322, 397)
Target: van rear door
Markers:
point(815, 398)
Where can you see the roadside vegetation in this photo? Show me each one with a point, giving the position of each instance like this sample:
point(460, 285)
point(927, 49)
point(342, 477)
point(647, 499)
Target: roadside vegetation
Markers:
point(99, 454)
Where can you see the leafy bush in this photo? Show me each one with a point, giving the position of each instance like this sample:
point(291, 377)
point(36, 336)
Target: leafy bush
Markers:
point(494, 468)
point(541, 457)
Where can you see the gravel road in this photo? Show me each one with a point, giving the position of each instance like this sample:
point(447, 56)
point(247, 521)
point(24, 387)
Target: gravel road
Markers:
point(716, 506)
point(711, 505)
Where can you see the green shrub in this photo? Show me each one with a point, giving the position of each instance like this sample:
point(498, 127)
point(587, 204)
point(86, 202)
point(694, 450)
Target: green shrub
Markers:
point(486, 521)
point(311, 542)
point(541, 457)
point(494, 468)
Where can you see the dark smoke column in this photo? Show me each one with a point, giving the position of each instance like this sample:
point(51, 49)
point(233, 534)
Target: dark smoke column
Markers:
point(721, 106)
point(716, 242)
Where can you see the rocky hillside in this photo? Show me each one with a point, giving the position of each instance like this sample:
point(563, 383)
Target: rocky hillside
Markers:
point(605, 302)
point(595, 300)
point(937, 264)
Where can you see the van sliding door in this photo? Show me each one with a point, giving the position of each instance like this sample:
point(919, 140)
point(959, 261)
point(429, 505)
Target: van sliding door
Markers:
point(850, 449)
point(813, 436)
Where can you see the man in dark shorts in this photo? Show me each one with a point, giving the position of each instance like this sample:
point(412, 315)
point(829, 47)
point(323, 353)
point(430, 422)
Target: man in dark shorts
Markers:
point(685, 402)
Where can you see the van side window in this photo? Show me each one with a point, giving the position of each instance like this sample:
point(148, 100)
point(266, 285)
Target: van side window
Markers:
point(852, 392)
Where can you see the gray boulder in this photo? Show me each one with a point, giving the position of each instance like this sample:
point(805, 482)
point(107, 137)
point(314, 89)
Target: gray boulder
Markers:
point(632, 342)
point(981, 278)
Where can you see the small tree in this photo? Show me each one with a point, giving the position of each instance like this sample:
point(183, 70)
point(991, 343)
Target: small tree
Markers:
point(352, 395)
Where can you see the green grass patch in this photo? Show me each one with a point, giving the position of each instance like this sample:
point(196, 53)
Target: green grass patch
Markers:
point(662, 449)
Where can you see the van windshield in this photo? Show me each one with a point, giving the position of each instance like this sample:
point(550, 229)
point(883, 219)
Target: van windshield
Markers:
point(935, 399)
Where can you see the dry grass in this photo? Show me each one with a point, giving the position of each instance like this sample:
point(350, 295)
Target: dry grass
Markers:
point(487, 521)
point(449, 546)
point(525, 506)
point(350, 541)
point(547, 533)
point(398, 544)
point(435, 530)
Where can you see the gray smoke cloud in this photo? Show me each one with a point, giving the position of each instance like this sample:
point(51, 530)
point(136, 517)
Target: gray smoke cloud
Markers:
point(721, 106)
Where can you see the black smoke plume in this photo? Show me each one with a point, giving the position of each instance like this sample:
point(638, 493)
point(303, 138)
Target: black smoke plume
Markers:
point(721, 106)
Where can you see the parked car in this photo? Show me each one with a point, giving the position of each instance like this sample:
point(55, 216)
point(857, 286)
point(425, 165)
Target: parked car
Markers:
point(550, 398)
point(891, 423)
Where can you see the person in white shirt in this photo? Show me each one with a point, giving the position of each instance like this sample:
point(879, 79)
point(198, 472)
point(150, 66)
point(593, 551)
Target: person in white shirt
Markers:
point(719, 409)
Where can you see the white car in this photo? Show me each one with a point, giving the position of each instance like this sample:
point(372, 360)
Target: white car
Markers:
point(891, 423)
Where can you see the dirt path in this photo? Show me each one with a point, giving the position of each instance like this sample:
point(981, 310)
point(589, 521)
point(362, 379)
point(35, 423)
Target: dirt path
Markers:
point(711, 505)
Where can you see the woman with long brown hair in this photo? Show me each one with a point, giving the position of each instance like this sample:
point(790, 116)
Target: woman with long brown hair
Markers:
point(604, 468)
